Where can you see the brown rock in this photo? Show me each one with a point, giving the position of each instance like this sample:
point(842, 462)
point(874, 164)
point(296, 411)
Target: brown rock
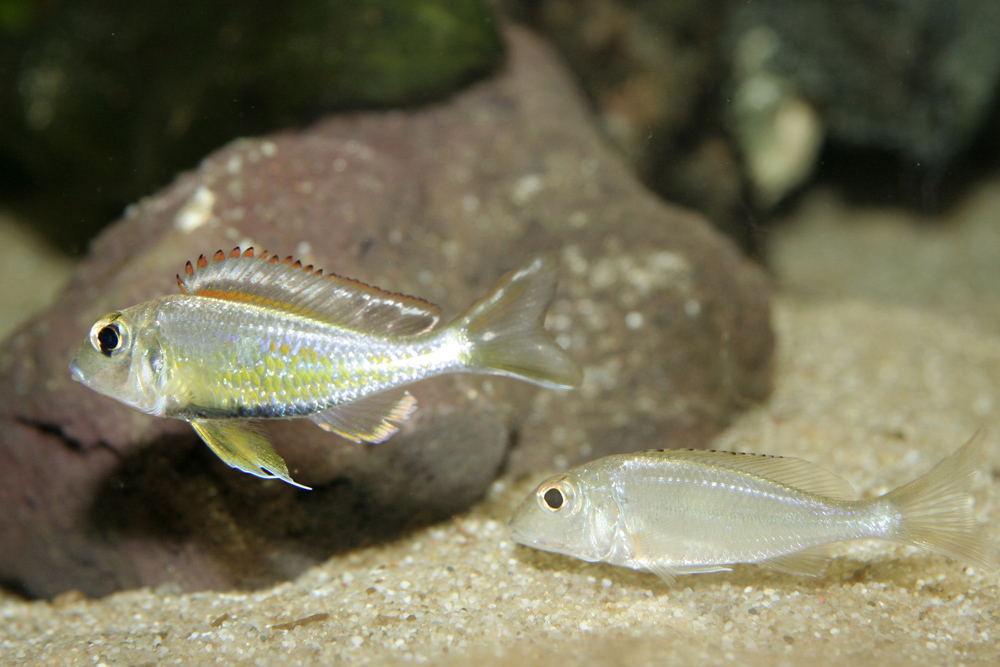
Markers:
point(670, 322)
point(653, 72)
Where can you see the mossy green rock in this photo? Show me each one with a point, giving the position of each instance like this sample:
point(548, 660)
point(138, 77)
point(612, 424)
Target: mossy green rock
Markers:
point(103, 100)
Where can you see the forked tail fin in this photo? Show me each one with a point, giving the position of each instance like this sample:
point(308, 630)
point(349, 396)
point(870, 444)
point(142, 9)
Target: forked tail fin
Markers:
point(506, 332)
point(935, 510)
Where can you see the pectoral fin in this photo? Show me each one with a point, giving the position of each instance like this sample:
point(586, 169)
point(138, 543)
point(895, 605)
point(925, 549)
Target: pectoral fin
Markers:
point(651, 547)
point(374, 418)
point(241, 445)
point(658, 550)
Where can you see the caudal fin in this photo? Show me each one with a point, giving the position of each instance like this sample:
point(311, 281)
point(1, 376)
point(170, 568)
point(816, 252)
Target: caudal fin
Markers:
point(507, 333)
point(935, 510)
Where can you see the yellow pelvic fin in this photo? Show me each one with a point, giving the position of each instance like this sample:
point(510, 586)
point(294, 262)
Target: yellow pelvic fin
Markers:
point(241, 445)
point(374, 418)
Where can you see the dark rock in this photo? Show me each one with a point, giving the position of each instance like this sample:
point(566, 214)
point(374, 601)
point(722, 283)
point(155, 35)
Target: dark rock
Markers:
point(915, 77)
point(726, 105)
point(669, 321)
point(103, 100)
point(653, 71)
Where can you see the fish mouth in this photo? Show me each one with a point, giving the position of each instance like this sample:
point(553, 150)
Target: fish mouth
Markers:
point(525, 538)
point(76, 373)
point(516, 534)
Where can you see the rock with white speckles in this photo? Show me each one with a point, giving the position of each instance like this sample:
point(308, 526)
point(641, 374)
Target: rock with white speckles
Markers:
point(670, 322)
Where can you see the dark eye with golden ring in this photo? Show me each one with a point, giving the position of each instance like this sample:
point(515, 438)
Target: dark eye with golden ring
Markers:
point(109, 335)
point(557, 495)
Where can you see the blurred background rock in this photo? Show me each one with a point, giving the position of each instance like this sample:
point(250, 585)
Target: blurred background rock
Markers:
point(728, 106)
point(724, 106)
point(103, 101)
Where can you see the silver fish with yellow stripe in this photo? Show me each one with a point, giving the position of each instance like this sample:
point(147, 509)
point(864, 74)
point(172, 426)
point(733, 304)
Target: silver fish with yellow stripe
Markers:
point(674, 512)
point(254, 337)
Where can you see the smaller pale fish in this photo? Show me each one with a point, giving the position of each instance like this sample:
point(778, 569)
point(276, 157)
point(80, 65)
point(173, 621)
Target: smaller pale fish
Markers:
point(674, 512)
point(253, 337)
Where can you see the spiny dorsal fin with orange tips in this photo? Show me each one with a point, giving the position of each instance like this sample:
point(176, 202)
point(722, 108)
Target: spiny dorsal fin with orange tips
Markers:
point(267, 281)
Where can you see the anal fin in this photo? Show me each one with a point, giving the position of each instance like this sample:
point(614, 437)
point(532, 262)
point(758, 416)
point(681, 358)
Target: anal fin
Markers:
point(241, 445)
point(375, 418)
point(808, 563)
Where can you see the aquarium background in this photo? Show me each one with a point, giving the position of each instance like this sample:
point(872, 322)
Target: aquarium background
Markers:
point(777, 226)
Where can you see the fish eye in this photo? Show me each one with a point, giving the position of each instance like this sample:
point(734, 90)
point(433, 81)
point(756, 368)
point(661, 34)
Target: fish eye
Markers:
point(109, 339)
point(556, 494)
point(553, 498)
point(109, 336)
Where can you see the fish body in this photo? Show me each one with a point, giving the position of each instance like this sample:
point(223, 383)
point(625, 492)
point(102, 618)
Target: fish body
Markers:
point(251, 338)
point(676, 512)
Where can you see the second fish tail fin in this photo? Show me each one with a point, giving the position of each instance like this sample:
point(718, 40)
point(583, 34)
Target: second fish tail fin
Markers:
point(506, 328)
point(936, 513)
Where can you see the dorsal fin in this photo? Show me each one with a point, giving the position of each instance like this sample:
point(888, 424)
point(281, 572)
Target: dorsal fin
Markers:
point(268, 281)
point(787, 470)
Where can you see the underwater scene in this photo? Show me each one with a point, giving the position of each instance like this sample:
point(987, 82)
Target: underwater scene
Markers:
point(513, 332)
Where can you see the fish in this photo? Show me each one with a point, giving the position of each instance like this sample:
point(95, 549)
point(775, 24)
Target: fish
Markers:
point(674, 512)
point(253, 337)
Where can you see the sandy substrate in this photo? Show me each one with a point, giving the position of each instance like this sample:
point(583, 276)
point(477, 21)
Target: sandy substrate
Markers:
point(889, 359)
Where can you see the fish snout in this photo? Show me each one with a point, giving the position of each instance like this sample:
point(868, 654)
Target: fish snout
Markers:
point(516, 533)
point(76, 373)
